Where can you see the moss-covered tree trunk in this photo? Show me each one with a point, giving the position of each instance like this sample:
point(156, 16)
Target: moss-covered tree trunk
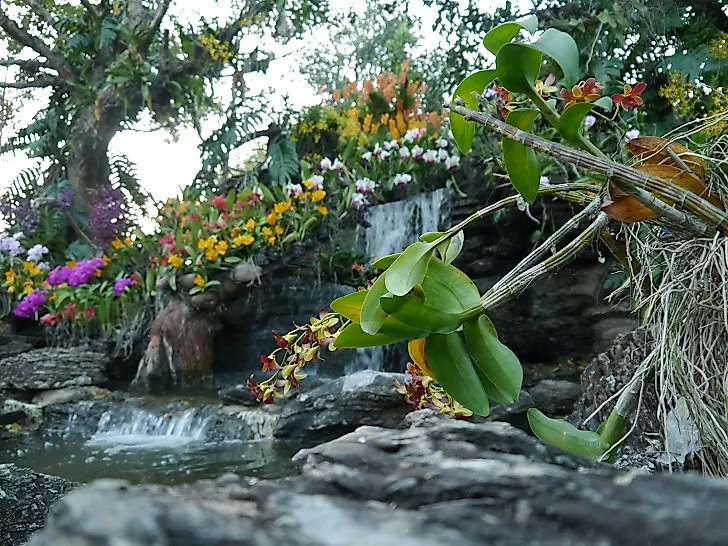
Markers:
point(181, 348)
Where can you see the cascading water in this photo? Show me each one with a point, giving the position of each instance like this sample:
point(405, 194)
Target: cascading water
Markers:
point(394, 226)
point(138, 428)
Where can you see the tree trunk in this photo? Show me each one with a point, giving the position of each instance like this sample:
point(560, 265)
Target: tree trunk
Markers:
point(181, 348)
point(88, 160)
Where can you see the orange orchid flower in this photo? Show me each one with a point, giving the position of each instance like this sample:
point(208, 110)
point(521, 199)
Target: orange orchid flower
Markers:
point(630, 99)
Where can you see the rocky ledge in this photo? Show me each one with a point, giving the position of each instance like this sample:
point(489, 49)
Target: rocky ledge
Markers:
point(432, 481)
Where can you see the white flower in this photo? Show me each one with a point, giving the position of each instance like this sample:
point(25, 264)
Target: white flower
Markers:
point(338, 165)
point(632, 134)
point(367, 156)
point(317, 182)
point(293, 189)
point(442, 155)
point(490, 93)
point(365, 186)
point(452, 162)
point(42, 265)
point(259, 193)
point(358, 201)
point(430, 156)
point(417, 151)
point(521, 203)
point(385, 156)
point(391, 145)
point(36, 253)
point(19, 235)
point(544, 181)
point(404, 153)
point(402, 179)
point(325, 164)
point(589, 121)
point(442, 143)
point(412, 135)
point(377, 149)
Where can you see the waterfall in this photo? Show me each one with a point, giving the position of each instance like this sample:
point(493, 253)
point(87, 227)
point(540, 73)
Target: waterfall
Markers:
point(393, 227)
point(127, 427)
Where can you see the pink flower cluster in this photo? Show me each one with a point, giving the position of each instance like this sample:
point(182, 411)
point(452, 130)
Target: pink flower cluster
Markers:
point(81, 273)
point(30, 304)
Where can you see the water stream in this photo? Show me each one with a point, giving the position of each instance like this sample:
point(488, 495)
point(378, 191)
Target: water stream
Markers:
point(146, 444)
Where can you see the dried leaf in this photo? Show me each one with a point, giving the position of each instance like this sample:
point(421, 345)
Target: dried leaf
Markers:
point(653, 151)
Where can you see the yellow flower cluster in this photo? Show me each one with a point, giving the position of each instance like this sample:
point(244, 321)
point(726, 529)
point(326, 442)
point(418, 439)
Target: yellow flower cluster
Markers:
point(216, 49)
point(719, 47)
point(681, 94)
point(118, 243)
point(213, 247)
point(719, 106)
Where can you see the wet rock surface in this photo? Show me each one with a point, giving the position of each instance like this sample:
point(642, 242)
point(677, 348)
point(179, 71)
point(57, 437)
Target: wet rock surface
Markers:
point(53, 368)
point(25, 498)
point(340, 406)
point(432, 481)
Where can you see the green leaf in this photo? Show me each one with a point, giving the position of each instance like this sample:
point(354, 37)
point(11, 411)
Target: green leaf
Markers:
point(463, 131)
point(450, 249)
point(372, 315)
point(232, 260)
point(449, 289)
point(562, 48)
point(521, 161)
point(431, 236)
point(410, 310)
point(448, 358)
point(173, 282)
point(517, 67)
point(353, 337)
point(409, 269)
point(572, 120)
point(497, 362)
point(566, 436)
point(196, 290)
point(350, 305)
point(505, 32)
point(385, 262)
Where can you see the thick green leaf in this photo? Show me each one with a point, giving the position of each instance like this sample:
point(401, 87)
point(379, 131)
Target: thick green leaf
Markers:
point(505, 32)
point(450, 249)
point(462, 130)
point(372, 316)
point(566, 436)
point(394, 328)
point(517, 67)
point(563, 50)
point(572, 120)
point(410, 310)
point(497, 362)
point(353, 337)
point(385, 262)
point(408, 270)
point(431, 236)
point(521, 161)
point(350, 305)
point(449, 360)
point(449, 289)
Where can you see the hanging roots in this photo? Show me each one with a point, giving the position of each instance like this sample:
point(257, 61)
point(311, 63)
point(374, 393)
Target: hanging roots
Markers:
point(681, 290)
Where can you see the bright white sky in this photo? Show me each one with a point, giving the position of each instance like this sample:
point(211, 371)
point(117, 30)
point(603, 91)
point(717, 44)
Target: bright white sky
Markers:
point(164, 166)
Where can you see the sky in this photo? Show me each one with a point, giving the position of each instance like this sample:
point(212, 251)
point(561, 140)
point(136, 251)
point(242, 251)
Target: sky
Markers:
point(164, 166)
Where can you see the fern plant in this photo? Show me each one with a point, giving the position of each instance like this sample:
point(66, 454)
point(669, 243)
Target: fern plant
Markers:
point(283, 163)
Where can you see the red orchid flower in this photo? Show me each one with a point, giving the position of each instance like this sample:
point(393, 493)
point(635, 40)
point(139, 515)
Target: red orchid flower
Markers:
point(586, 91)
point(630, 99)
point(220, 203)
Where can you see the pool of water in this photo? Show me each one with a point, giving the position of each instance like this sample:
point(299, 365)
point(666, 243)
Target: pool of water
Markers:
point(148, 443)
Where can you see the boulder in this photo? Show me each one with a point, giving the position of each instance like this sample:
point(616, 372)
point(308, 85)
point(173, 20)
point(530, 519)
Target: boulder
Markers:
point(11, 345)
point(433, 481)
point(68, 394)
point(25, 498)
point(33, 414)
point(340, 406)
point(53, 368)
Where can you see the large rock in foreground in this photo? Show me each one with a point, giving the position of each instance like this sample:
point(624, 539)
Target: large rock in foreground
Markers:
point(431, 482)
point(53, 368)
point(25, 498)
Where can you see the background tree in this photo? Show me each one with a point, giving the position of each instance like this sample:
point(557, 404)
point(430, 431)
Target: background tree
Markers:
point(105, 63)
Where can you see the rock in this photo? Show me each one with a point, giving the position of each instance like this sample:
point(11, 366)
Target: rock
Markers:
point(12, 417)
point(607, 373)
point(33, 414)
point(433, 481)
point(11, 345)
point(341, 405)
point(261, 421)
point(25, 498)
point(239, 395)
point(67, 395)
point(53, 368)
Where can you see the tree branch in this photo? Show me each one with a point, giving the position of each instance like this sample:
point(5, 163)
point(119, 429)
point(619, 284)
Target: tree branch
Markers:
point(155, 24)
point(632, 181)
point(31, 65)
point(43, 13)
point(90, 7)
point(22, 37)
point(39, 82)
